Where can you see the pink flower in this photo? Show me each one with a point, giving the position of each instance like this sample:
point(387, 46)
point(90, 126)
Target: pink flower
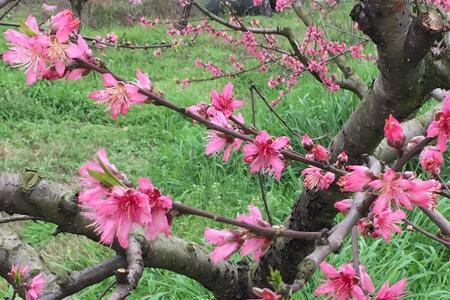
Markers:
point(389, 187)
point(219, 141)
point(258, 245)
point(320, 153)
point(283, 4)
point(316, 179)
point(118, 96)
point(385, 223)
point(224, 102)
point(80, 50)
point(406, 192)
point(264, 153)
point(227, 241)
point(344, 284)
point(200, 109)
point(344, 205)
point(421, 193)
point(395, 292)
point(265, 294)
point(160, 206)
point(116, 215)
point(27, 51)
point(63, 25)
point(356, 180)
point(143, 80)
point(307, 142)
point(17, 273)
point(440, 127)
point(93, 189)
point(257, 2)
point(431, 160)
point(393, 132)
point(34, 288)
point(111, 37)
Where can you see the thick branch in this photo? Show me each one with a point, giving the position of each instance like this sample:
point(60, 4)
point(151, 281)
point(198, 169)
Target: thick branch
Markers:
point(29, 194)
point(15, 252)
point(3, 3)
point(135, 270)
point(78, 280)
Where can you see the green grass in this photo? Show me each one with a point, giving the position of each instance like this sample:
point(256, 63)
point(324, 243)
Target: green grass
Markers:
point(52, 127)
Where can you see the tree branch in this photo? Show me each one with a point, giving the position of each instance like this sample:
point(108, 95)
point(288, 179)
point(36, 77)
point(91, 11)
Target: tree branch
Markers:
point(31, 195)
point(135, 270)
point(15, 252)
point(3, 3)
point(76, 281)
point(427, 234)
point(352, 81)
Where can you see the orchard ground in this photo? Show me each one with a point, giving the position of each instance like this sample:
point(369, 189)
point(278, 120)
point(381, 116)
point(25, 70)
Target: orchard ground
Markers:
point(53, 127)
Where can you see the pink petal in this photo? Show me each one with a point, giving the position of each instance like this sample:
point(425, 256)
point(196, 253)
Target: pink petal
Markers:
point(228, 90)
point(109, 80)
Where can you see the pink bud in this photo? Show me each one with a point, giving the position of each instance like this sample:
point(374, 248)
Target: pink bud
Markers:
point(431, 160)
point(307, 142)
point(393, 132)
point(344, 205)
point(320, 153)
point(342, 158)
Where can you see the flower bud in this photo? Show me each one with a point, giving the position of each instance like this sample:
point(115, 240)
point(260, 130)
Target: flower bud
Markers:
point(342, 158)
point(307, 142)
point(431, 160)
point(393, 132)
point(320, 153)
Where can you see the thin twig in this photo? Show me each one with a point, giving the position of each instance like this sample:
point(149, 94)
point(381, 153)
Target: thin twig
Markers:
point(231, 75)
point(108, 288)
point(260, 176)
point(259, 230)
point(355, 250)
point(18, 218)
point(4, 3)
point(428, 234)
point(274, 112)
point(10, 9)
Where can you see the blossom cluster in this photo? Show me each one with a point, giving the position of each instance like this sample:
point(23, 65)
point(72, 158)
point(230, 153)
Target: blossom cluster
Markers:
point(393, 191)
point(345, 284)
point(431, 157)
point(264, 153)
point(230, 241)
point(116, 207)
point(20, 279)
point(49, 54)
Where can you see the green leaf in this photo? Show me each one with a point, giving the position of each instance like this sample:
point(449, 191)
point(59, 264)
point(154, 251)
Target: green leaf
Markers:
point(26, 29)
point(103, 178)
point(110, 174)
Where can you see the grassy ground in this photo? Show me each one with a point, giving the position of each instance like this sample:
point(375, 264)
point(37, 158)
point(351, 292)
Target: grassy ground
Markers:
point(52, 127)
